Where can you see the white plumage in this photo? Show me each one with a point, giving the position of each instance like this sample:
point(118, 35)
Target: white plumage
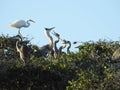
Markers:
point(20, 23)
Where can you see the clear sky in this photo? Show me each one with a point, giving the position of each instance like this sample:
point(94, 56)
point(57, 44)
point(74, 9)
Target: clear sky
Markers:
point(75, 20)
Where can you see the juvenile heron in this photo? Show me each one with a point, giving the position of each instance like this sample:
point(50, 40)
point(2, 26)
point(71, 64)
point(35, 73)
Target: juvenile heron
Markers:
point(23, 49)
point(61, 47)
point(48, 48)
point(69, 46)
point(56, 50)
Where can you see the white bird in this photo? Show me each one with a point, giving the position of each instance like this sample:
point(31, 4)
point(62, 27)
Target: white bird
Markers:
point(21, 23)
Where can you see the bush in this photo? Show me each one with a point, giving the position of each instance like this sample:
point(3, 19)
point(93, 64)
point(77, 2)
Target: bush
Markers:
point(88, 69)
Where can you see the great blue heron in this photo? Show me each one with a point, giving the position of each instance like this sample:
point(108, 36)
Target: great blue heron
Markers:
point(47, 49)
point(21, 23)
point(69, 46)
point(56, 50)
point(65, 42)
point(61, 47)
point(23, 49)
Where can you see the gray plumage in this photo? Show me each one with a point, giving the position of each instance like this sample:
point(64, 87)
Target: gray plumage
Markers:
point(46, 49)
point(56, 50)
point(69, 46)
point(24, 50)
point(56, 35)
point(60, 49)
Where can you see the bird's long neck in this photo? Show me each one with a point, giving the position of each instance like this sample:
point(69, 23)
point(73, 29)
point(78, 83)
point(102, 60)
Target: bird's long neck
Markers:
point(19, 38)
point(56, 51)
point(64, 46)
point(60, 49)
point(27, 24)
point(68, 48)
point(55, 45)
point(21, 51)
point(17, 46)
point(50, 38)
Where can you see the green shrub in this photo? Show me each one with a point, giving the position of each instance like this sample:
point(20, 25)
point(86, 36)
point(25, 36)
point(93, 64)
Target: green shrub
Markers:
point(88, 69)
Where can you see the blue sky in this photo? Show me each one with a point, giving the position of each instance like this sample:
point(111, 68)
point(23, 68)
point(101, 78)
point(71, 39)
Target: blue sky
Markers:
point(75, 20)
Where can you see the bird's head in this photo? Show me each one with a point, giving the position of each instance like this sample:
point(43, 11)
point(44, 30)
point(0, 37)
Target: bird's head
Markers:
point(63, 41)
point(68, 42)
point(49, 29)
point(18, 37)
point(56, 34)
point(31, 20)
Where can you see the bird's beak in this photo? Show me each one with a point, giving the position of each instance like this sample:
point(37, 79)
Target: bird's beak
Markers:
point(52, 28)
point(49, 29)
point(31, 20)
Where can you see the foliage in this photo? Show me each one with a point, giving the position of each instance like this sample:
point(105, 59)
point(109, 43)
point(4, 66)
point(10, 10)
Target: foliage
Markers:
point(91, 68)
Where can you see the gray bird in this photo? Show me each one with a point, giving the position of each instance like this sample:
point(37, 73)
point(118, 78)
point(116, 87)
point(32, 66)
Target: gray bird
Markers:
point(56, 50)
point(23, 49)
point(46, 49)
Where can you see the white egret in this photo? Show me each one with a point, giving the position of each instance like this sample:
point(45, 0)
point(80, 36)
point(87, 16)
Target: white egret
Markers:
point(21, 23)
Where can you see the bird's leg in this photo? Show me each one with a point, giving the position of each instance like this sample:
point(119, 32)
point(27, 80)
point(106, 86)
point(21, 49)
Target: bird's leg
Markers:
point(20, 34)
